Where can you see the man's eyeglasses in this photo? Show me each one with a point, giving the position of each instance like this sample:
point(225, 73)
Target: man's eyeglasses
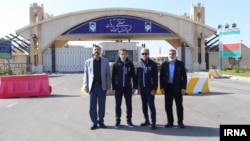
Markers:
point(144, 53)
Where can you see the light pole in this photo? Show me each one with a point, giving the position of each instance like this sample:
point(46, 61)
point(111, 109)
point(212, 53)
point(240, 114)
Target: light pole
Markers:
point(35, 38)
point(183, 51)
point(220, 45)
point(199, 48)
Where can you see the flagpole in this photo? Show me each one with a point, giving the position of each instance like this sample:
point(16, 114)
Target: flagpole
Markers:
point(238, 62)
point(239, 57)
point(220, 53)
point(220, 62)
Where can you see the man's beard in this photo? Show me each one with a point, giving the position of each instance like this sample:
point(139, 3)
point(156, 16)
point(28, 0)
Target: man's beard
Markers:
point(96, 54)
point(171, 60)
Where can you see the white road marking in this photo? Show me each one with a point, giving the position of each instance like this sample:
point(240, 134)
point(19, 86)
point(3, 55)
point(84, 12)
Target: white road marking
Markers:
point(11, 105)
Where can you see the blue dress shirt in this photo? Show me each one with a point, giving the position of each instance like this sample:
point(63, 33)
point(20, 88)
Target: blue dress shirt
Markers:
point(171, 72)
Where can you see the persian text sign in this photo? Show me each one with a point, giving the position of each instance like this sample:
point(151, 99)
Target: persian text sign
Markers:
point(119, 25)
point(5, 49)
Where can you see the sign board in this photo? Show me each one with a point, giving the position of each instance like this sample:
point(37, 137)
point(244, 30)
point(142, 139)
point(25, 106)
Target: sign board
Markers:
point(230, 43)
point(119, 25)
point(5, 49)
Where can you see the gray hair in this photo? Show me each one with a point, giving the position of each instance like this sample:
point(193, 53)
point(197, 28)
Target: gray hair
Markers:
point(146, 49)
point(172, 50)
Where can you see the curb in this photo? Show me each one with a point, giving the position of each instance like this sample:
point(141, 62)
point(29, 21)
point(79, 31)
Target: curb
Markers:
point(240, 78)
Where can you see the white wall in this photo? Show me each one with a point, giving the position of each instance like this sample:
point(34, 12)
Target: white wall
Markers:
point(188, 58)
point(67, 59)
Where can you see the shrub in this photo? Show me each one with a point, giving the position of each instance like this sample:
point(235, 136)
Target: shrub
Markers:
point(213, 67)
point(224, 68)
point(236, 70)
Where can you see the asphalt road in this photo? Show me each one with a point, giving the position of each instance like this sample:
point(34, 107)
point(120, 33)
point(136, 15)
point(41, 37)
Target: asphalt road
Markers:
point(63, 116)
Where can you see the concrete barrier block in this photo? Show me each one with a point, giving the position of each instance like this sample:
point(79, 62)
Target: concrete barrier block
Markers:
point(214, 73)
point(195, 85)
point(24, 86)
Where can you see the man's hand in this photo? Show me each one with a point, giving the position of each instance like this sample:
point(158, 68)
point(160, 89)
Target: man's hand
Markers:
point(136, 91)
point(133, 91)
point(153, 92)
point(162, 91)
point(86, 91)
point(183, 91)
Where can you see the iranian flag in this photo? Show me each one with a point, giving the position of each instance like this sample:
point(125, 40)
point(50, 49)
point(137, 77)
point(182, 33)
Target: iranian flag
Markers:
point(230, 43)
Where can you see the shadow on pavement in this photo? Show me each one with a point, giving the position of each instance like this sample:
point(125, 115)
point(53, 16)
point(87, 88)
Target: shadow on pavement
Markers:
point(210, 94)
point(191, 131)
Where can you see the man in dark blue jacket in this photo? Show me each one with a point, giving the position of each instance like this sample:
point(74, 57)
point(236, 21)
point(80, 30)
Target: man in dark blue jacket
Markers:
point(147, 75)
point(123, 83)
point(173, 81)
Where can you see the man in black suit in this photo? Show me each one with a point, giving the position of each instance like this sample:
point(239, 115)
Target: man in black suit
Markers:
point(173, 81)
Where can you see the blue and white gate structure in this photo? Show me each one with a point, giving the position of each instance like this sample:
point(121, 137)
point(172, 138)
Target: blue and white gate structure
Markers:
point(115, 24)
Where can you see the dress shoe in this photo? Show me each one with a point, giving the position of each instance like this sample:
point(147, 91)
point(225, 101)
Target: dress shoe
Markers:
point(93, 127)
point(145, 123)
point(153, 126)
point(117, 124)
point(130, 124)
point(181, 125)
point(169, 125)
point(102, 125)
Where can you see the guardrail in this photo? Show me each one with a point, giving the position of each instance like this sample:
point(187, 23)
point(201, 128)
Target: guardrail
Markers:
point(20, 68)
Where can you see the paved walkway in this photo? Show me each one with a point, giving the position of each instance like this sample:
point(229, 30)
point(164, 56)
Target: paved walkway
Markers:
point(234, 77)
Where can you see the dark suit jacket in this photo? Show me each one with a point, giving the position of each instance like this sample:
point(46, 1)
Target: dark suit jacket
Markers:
point(180, 76)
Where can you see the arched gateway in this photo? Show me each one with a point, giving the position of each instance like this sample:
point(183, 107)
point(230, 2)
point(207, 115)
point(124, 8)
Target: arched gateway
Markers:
point(117, 24)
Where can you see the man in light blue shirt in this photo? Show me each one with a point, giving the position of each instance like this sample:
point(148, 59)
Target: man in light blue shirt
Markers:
point(173, 81)
point(171, 72)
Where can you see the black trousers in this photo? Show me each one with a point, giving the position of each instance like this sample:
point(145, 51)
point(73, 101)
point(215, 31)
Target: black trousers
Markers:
point(170, 96)
point(148, 100)
point(127, 93)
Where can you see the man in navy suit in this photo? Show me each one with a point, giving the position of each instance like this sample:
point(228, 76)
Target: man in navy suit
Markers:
point(173, 81)
point(96, 82)
point(123, 84)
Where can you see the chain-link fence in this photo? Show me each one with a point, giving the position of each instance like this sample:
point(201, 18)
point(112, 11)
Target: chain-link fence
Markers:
point(14, 68)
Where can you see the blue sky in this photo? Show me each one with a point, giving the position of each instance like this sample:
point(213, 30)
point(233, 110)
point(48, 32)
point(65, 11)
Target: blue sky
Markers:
point(14, 14)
